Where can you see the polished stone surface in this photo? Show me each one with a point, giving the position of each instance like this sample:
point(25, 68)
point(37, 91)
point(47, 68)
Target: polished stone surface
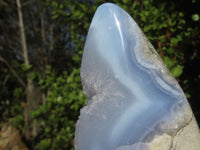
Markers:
point(132, 97)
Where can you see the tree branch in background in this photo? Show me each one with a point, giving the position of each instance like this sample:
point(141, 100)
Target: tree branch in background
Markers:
point(13, 72)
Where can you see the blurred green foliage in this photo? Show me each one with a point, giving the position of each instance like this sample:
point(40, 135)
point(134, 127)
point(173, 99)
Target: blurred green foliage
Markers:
point(172, 30)
point(59, 113)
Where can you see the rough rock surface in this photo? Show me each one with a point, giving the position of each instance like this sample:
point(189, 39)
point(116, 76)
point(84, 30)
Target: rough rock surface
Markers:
point(10, 138)
point(187, 138)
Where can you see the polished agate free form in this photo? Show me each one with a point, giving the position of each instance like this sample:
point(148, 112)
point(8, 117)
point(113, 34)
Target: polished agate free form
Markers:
point(134, 103)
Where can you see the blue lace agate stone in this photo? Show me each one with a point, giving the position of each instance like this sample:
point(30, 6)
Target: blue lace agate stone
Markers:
point(131, 95)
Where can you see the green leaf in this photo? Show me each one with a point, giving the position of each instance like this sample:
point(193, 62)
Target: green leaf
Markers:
point(195, 17)
point(169, 62)
point(177, 71)
point(181, 14)
point(54, 5)
point(125, 1)
point(25, 67)
point(61, 6)
point(44, 144)
point(55, 16)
